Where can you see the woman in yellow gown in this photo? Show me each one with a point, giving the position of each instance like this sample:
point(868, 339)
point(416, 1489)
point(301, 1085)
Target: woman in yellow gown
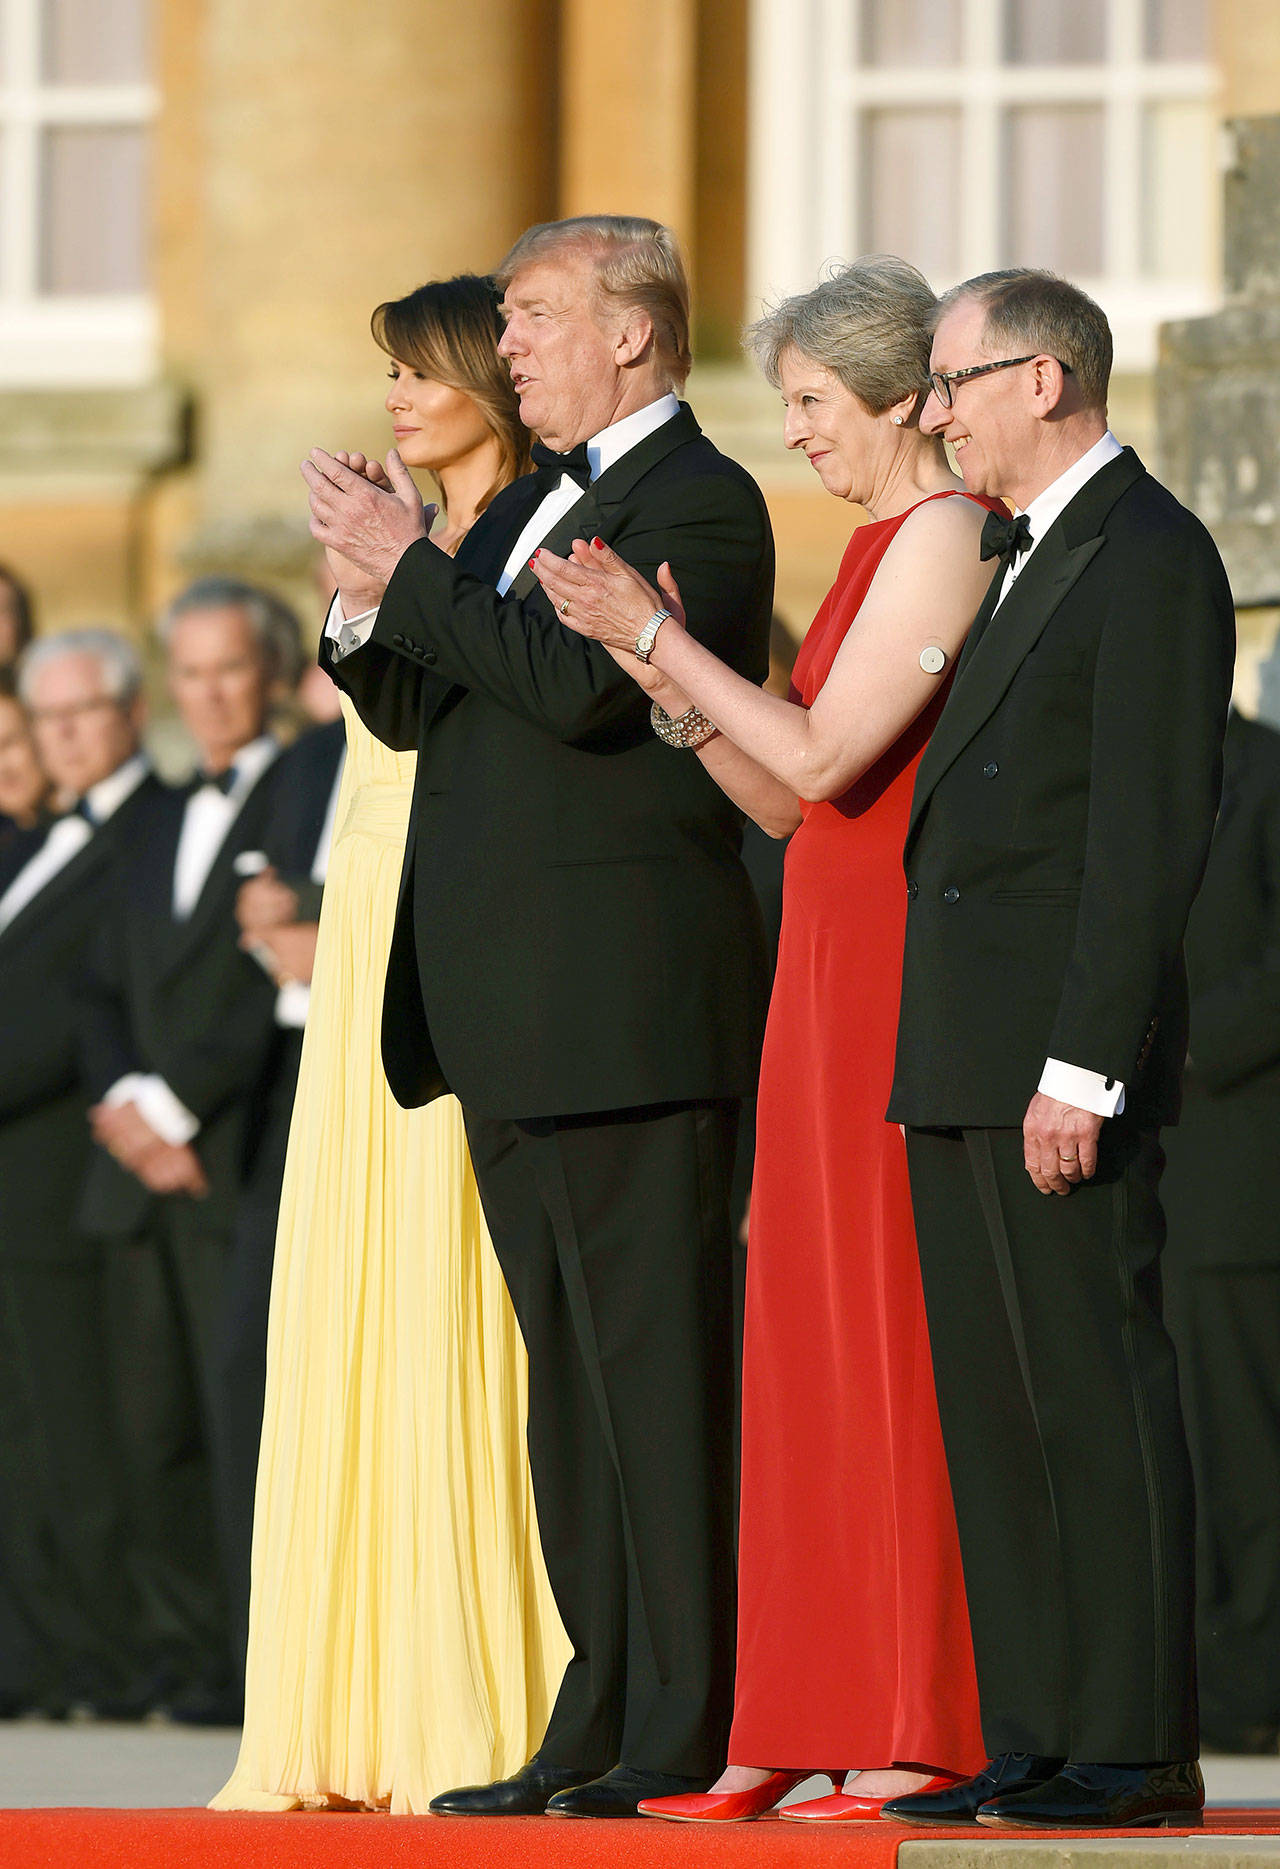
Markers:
point(402, 1634)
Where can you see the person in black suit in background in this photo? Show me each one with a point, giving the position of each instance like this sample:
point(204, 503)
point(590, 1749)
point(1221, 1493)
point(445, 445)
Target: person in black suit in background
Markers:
point(578, 956)
point(1059, 829)
point(62, 1509)
point(278, 912)
point(1222, 1263)
point(177, 1027)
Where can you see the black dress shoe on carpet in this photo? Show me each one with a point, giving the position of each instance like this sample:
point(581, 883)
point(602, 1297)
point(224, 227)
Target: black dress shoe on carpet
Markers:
point(524, 1795)
point(1104, 1797)
point(959, 1804)
point(619, 1792)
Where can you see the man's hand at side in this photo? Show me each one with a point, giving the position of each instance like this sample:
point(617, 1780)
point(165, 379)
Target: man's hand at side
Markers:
point(365, 516)
point(1059, 1144)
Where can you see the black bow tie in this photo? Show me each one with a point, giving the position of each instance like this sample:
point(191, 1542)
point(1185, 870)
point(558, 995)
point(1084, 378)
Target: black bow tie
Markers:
point(550, 466)
point(82, 809)
point(1005, 538)
point(220, 781)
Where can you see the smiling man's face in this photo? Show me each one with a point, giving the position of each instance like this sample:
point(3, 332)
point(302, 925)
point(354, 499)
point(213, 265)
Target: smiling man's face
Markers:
point(560, 346)
point(991, 423)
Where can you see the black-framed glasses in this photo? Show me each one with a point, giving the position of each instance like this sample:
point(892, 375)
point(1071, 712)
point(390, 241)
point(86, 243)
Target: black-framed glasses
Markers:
point(941, 381)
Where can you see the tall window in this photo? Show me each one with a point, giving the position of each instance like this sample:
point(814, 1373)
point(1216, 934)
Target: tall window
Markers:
point(971, 134)
point(75, 105)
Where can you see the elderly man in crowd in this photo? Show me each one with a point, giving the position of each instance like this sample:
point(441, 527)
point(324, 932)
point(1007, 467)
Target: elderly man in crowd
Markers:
point(61, 1518)
point(578, 956)
point(177, 1028)
point(1061, 818)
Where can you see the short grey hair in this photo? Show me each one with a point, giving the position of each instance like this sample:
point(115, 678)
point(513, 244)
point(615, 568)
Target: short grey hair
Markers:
point(115, 655)
point(272, 621)
point(637, 267)
point(1044, 314)
point(869, 323)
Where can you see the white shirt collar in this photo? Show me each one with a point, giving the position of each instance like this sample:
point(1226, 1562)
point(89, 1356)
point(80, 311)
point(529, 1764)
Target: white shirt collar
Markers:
point(620, 437)
point(106, 797)
point(1058, 495)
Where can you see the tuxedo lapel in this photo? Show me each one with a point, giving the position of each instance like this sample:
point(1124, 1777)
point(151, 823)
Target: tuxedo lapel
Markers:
point(581, 521)
point(213, 893)
point(68, 879)
point(1001, 639)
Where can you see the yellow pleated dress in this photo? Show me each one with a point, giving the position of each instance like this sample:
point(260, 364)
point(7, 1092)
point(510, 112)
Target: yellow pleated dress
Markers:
point(402, 1636)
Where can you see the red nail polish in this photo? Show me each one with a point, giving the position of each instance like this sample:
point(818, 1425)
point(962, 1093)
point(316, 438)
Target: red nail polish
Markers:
point(599, 543)
point(532, 561)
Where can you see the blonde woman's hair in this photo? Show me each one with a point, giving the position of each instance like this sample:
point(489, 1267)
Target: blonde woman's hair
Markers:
point(449, 329)
point(870, 323)
point(637, 266)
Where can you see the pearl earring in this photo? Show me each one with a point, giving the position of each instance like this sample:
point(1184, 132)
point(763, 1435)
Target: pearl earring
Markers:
point(897, 421)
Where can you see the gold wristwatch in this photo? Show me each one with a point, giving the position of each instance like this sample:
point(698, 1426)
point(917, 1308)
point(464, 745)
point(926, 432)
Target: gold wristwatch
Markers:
point(649, 634)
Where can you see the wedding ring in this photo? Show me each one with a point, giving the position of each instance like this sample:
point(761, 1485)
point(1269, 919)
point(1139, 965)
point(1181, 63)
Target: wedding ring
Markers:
point(564, 608)
point(1064, 1157)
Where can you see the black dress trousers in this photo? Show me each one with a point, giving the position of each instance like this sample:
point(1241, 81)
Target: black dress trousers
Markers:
point(613, 1235)
point(1058, 1391)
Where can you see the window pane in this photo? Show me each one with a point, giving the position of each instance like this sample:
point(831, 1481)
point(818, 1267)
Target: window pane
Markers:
point(94, 219)
point(1176, 29)
point(1055, 32)
point(910, 32)
point(95, 41)
point(1178, 173)
point(1053, 188)
point(911, 199)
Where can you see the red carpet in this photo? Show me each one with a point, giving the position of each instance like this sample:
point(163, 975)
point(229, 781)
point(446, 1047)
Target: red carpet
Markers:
point(89, 1839)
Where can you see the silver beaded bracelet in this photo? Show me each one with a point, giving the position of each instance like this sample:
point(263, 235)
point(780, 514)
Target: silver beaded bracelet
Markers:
point(691, 730)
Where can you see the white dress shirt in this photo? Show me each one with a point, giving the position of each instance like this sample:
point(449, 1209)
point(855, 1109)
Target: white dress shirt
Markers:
point(1069, 1083)
point(602, 451)
point(209, 815)
point(68, 835)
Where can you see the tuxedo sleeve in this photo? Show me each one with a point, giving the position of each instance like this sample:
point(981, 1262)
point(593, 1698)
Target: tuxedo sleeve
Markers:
point(1235, 1024)
point(215, 1067)
point(714, 532)
point(1161, 689)
point(107, 1049)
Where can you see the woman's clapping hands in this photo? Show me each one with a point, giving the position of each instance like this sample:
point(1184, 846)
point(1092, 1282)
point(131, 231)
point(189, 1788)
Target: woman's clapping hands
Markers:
point(606, 598)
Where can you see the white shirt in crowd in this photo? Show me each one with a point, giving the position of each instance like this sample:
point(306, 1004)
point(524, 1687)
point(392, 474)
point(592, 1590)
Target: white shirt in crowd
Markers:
point(209, 815)
point(68, 835)
point(1069, 1083)
point(602, 451)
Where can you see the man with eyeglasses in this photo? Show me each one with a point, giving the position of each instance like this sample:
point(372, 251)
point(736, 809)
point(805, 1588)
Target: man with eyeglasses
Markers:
point(61, 1543)
point(1061, 819)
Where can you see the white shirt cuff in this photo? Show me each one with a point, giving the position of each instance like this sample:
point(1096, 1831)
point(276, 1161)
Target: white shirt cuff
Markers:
point(157, 1106)
point(1084, 1090)
point(348, 633)
point(292, 1004)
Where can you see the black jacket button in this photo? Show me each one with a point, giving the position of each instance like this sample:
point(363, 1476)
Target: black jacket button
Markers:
point(428, 655)
point(913, 890)
point(990, 770)
point(951, 895)
point(398, 641)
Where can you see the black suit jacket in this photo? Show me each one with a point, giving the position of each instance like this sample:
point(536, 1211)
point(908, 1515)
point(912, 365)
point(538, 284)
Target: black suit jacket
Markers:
point(44, 1128)
point(179, 998)
point(1062, 814)
point(1219, 1190)
point(575, 929)
point(302, 789)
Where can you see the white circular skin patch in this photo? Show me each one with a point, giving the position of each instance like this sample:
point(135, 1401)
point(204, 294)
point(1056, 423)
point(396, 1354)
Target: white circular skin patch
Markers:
point(933, 660)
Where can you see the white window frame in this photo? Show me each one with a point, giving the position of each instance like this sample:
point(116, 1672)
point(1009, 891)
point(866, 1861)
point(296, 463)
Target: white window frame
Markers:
point(807, 96)
point(48, 340)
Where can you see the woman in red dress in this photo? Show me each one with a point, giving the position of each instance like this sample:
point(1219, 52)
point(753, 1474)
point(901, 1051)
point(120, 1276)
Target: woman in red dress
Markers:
point(853, 1637)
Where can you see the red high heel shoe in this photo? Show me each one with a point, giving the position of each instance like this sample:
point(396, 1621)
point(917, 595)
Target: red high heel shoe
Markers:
point(843, 1807)
point(724, 1807)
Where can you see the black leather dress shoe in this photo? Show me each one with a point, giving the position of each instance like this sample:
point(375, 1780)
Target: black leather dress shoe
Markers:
point(959, 1804)
point(619, 1792)
point(525, 1795)
point(1104, 1797)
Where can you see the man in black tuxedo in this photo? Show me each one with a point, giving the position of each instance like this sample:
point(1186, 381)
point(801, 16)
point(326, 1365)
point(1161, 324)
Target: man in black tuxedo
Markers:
point(278, 912)
point(62, 1506)
point(578, 956)
point(1061, 818)
point(1222, 1263)
point(177, 1027)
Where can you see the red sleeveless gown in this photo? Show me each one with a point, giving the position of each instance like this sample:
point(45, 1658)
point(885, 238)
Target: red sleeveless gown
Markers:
point(853, 1630)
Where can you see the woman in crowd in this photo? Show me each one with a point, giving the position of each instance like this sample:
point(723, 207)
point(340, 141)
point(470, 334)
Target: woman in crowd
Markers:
point(25, 793)
point(853, 1638)
point(402, 1633)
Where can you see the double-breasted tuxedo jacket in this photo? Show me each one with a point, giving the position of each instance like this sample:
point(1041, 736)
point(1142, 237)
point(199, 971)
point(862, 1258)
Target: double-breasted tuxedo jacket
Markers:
point(578, 955)
point(61, 1517)
point(1059, 828)
point(1222, 1263)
